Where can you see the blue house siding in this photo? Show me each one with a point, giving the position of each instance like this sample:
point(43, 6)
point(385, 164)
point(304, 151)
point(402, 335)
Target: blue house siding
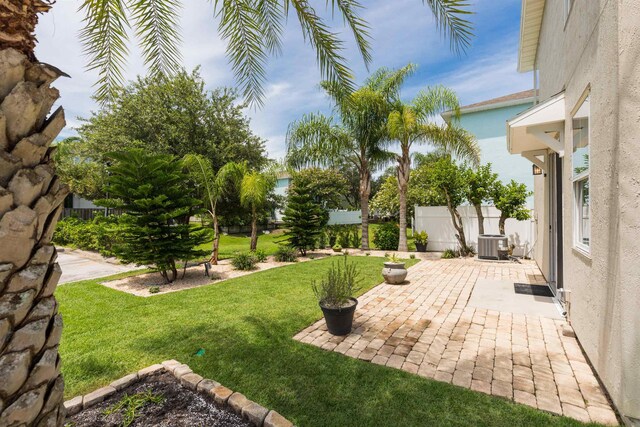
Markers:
point(489, 127)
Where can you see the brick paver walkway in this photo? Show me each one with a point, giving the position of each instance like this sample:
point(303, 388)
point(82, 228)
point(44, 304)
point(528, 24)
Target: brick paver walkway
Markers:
point(426, 328)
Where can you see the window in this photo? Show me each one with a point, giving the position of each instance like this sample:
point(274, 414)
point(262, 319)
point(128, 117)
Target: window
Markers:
point(580, 176)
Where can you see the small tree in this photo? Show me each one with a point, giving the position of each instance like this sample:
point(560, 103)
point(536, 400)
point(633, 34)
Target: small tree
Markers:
point(304, 217)
point(327, 186)
point(155, 227)
point(481, 183)
point(511, 200)
point(451, 181)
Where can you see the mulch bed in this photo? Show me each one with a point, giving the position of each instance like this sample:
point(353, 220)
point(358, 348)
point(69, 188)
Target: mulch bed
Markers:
point(181, 407)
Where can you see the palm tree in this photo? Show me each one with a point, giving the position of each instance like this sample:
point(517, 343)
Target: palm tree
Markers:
point(409, 124)
point(357, 137)
point(31, 195)
point(211, 187)
point(254, 188)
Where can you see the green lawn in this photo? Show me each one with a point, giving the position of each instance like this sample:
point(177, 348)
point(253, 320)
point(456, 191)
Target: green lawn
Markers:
point(245, 325)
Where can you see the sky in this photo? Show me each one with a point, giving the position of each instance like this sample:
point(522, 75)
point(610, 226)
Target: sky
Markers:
point(403, 31)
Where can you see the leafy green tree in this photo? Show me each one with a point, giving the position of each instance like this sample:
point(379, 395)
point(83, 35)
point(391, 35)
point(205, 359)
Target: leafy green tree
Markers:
point(356, 137)
point(77, 168)
point(253, 30)
point(481, 184)
point(451, 181)
point(304, 217)
point(326, 186)
point(174, 115)
point(154, 228)
point(511, 200)
point(412, 123)
point(211, 187)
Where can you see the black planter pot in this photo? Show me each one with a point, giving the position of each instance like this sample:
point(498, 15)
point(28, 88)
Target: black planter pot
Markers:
point(420, 247)
point(339, 320)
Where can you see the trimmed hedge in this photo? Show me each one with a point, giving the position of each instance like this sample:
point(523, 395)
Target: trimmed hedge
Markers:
point(98, 234)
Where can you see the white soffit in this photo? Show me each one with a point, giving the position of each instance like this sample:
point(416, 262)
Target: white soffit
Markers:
point(530, 22)
point(529, 129)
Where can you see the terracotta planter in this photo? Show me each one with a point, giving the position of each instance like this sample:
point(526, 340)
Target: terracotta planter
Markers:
point(339, 320)
point(394, 273)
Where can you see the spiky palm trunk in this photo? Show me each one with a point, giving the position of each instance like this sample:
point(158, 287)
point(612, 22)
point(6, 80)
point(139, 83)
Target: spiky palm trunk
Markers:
point(31, 196)
point(365, 191)
point(404, 166)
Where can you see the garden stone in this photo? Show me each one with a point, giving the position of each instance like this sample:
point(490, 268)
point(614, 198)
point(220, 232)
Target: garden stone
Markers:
point(97, 396)
point(206, 385)
point(221, 394)
point(124, 381)
point(190, 381)
point(145, 372)
point(255, 413)
point(274, 419)
point(73, 406)
point(171, 365)
point(182, 370)
point(237, 401)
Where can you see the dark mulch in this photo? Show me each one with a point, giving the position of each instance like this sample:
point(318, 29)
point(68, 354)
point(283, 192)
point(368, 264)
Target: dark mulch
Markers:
point(181, 407)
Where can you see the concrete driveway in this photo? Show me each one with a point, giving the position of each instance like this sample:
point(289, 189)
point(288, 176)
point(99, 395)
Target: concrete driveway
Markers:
point(80, 265)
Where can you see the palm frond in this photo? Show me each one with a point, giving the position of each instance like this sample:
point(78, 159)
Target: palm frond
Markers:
point(436, 100)
point(388, 82)
point(453, 140)
point(104, 37)
point(450, 19)
point(359, 27)
point(270, 14)
point(328, 45)
point(156, 26)
point(316, 140)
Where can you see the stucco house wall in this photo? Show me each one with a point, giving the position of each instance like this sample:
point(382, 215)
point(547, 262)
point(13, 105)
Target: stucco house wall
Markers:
point(598, 48)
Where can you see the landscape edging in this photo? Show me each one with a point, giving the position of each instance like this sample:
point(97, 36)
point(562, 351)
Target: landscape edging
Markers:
point(247, 409)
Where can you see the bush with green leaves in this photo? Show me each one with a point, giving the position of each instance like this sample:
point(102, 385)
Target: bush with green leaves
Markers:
point(260, 255)
point(98, 234)
point(285, 253)
point(244, 261)
point(450, 254)
point(386, 236)
point(421, 238)
point(304, 218)
point(340, 283)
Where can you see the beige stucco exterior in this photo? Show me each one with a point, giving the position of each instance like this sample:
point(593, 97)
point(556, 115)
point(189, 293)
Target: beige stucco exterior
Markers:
point(597, 49)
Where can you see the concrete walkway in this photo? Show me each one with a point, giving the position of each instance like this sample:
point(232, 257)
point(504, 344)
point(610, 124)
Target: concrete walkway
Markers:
point(81, 265)
point(427, 327)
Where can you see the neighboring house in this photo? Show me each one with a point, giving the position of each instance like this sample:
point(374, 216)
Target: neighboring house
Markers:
point(282, 184)
point(584, 135)
point(485, 120)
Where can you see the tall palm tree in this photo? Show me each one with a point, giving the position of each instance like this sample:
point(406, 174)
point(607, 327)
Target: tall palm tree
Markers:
point(211, 187)
point(254, 188)
point(357, 135)
point(31, 195)
point(411, 123)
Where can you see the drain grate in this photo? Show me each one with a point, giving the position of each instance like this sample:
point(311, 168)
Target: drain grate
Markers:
point(536, 290)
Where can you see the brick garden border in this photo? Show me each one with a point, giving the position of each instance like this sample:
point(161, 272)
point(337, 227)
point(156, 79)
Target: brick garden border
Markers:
point(251, 411)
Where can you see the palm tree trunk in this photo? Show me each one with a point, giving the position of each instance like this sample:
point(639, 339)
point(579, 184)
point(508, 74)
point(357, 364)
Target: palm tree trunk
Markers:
point(254, 229)
point(404, 165)
point(365, 190)
point(31, 196)
point(216, 241)
point(480, 218)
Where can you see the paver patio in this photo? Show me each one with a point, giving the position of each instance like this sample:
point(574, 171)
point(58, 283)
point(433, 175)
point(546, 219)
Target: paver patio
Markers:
point(427, 328)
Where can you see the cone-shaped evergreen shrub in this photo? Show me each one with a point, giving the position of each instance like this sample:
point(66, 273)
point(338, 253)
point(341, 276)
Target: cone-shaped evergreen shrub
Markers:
point(304, 217)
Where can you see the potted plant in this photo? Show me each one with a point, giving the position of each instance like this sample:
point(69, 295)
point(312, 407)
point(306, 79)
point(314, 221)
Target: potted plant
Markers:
point(394, 271)
point(421, 239)
point(335, 296)
point(337, 248)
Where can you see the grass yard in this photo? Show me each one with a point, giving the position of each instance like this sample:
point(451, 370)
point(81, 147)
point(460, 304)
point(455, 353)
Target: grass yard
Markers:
point(245, 325)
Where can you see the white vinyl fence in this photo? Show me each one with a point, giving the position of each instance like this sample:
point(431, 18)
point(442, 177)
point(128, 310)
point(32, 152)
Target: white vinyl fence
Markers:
point(436, 221)
point(344, 217)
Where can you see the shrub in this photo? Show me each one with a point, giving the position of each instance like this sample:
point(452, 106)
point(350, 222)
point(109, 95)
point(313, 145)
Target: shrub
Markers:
point(285, 254)
point(260, 255)
point(323, 240)
point(154, 289)
point(337, 248)
point(340, 283)
point(449, 254)
point(92, 235)
point(421, 238)
point(412, 256)
point(244, 261)
point(386, 236)
point(304, 218)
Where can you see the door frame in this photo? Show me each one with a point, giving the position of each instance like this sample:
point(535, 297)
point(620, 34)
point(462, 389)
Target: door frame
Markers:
point(555, 173)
